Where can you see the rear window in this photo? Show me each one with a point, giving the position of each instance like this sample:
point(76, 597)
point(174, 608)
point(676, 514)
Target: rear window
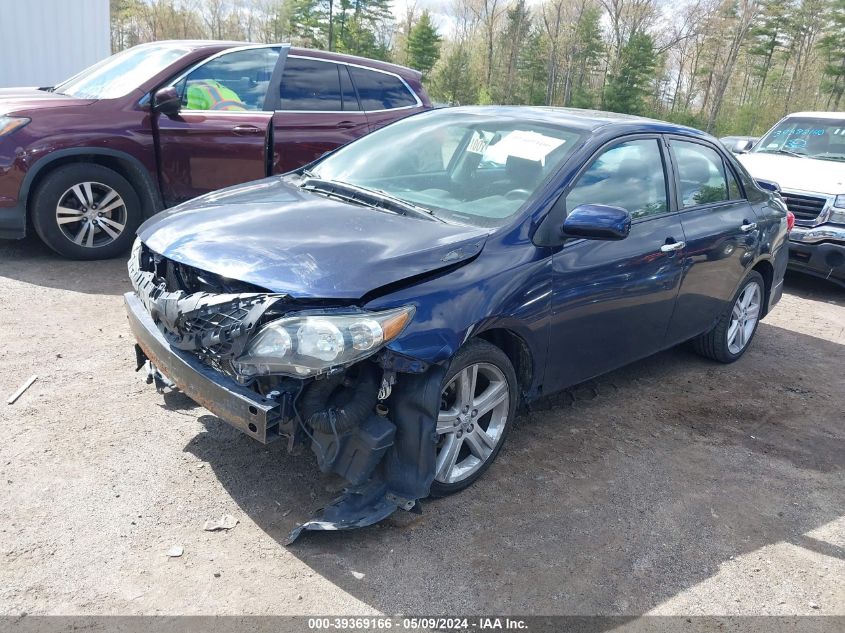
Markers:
point(380, 91)
point(308, 84)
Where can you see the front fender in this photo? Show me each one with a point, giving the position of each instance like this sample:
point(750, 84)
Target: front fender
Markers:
point(149, 192)
point(505, 287)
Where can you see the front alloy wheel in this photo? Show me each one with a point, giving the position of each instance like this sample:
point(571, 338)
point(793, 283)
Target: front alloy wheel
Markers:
point(86, 211)
point(477, 405)
point(91, 214)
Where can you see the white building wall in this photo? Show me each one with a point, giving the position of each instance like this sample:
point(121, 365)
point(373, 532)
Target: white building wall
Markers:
point(43, 42)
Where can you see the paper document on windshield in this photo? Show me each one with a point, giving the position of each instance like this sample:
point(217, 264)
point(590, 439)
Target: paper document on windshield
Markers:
point(524, 144)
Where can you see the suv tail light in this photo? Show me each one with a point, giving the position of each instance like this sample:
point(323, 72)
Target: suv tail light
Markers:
point(790, 220)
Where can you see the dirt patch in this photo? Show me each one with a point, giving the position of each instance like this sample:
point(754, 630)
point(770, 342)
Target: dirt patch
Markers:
point(673, 485)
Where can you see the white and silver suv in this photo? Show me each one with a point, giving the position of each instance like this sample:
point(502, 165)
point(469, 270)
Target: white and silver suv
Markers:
point(805, 154)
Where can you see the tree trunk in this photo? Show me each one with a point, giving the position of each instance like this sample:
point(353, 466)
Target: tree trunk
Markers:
point(749, 11)
point(331, 25)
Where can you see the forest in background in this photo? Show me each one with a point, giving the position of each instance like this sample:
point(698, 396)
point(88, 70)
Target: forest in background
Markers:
point(726, 66)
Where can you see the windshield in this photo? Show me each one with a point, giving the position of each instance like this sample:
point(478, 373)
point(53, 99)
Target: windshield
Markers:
point(464, 167)
point(122, 73)
point(811, 137)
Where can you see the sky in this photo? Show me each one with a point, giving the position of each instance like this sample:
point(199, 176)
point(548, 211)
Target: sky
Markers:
point(439, 10)
point(436, 7)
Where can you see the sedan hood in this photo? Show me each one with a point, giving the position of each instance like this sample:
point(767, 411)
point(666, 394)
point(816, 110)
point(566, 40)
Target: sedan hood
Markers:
point(797, 174)
point(22, 100)
point(274, 235)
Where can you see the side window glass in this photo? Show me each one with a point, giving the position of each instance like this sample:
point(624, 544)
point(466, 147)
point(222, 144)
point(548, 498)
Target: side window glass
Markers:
point(308, 84)
point(380, 91)
point(701, 173)
point(629, 175)
point(234, 81)
point(734, 192)
point(350, 100)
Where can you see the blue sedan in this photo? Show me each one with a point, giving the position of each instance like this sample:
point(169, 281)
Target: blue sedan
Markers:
point(390, 305)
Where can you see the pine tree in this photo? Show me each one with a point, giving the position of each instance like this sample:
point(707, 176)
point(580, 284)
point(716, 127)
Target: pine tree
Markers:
point(452, 82)
point(306, 23)
point(511, 41)
point(423, 45)
point(833, 48)
point(767, 37)
point(590, 48)
point(356, 26)
point(627, 87)
point(532, 71)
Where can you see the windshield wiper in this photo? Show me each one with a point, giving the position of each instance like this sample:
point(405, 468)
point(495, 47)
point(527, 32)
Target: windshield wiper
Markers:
point(782, 151)
point(52, 89)
point(830, 156)
point(401, 202)
point(387, 200)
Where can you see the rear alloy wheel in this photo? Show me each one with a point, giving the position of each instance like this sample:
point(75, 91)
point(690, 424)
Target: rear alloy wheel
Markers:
point(732, 334)
point(478, 404)
point(86, 211)
point(744, 317)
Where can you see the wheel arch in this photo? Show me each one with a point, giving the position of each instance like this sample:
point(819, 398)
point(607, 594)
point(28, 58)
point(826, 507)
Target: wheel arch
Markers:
point(124, 164)
point(518, 352)
point(766, 269)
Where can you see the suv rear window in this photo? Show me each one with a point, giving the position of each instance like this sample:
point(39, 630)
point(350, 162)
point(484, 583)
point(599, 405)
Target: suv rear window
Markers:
point(308, 84)
point(380, 91)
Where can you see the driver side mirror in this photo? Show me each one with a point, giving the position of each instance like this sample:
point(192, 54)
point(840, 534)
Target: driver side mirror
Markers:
point(742, 146)
point(167, 101)
point(597, 222)
point(768, 185)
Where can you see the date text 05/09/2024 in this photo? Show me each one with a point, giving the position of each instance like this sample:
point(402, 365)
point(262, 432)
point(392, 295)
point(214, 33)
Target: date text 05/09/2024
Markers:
point(458, 624)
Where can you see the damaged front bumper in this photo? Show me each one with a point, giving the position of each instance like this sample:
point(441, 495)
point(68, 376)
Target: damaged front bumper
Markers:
point(262, 418)
point(370, 424)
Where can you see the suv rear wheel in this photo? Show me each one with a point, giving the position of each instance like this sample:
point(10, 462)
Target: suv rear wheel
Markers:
point(86, 211)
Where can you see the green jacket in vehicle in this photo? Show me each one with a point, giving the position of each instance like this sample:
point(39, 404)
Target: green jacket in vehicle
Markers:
point(211, 95)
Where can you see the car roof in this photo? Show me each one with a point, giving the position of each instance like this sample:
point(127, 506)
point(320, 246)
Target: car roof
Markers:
point(294, 50)
point(583, 120)
point(195, 44)
point(354, 59)
point(817, 115)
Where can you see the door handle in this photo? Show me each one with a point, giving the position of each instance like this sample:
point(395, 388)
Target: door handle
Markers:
point(247, 129)
point(671, 247)
point(747, 226)
point(347, 124)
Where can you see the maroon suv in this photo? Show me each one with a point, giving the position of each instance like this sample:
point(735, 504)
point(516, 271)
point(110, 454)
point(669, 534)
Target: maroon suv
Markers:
point(153, 126)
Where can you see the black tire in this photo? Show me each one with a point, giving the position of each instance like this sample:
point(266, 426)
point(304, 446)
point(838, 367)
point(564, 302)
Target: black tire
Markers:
point(54, 188)
point(474, 352)
point(714, 344)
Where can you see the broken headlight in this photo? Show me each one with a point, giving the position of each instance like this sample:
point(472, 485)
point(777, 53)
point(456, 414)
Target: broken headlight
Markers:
point(309, 345)
point(135, 255)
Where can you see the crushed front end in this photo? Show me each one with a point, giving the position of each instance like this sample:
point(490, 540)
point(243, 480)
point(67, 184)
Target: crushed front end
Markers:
point(314, 373)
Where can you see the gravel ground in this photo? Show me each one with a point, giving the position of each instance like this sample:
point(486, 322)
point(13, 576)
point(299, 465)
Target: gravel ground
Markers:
point(672, 486)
